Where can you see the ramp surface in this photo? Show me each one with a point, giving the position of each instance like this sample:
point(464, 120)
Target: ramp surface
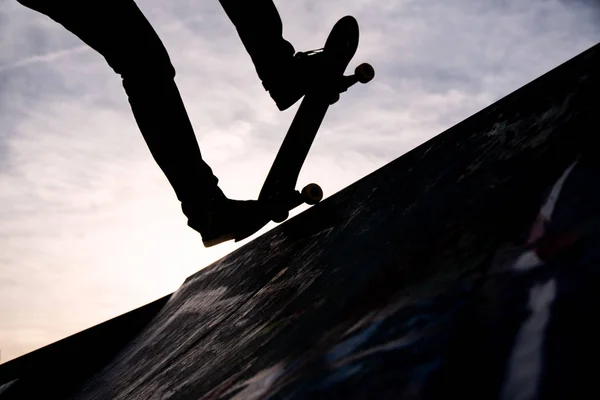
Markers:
point(466, 267)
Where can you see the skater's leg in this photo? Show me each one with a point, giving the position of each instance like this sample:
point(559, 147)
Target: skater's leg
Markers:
point(118, 30)
point(260, 28)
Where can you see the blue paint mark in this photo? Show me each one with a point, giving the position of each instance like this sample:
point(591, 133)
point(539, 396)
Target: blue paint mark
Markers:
point(348, 346)
point(340, 375)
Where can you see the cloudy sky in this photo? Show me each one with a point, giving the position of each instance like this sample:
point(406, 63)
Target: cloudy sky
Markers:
point(89, 226)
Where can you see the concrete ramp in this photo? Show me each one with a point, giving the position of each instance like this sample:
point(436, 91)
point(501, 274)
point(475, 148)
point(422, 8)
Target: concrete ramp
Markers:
point(467, 267)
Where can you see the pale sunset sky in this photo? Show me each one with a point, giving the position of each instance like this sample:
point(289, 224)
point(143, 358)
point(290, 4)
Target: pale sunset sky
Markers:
point(89, 226)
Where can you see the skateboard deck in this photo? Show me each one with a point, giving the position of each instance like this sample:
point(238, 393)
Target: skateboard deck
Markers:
point(279, 189)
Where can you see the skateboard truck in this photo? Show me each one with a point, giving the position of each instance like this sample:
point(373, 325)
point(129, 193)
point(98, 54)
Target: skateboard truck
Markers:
point(311, 194)
point(278, 191)
point(362, 73)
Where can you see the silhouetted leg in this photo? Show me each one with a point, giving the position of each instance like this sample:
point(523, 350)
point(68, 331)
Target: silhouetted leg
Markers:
point(260, 28)
point(118, 30)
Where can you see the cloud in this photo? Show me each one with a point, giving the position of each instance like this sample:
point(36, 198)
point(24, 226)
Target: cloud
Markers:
point(90, 227)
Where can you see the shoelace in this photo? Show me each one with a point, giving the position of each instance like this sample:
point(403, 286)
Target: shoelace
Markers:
point(308, 53)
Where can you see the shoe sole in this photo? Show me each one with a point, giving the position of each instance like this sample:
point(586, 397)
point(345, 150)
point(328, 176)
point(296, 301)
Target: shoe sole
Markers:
point(218, 240)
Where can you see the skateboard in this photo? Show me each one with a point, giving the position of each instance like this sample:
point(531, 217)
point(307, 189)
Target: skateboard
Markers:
point(279, 189)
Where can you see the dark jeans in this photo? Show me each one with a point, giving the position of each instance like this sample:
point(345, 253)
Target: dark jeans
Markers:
point(118, 30)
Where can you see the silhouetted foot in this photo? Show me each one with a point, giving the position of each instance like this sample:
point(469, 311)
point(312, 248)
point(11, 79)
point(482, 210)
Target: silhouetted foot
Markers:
point(227, 219)
point(293, 82)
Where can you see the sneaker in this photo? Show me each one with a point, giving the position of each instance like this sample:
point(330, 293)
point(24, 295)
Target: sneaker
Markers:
point(227, 219)
point(288, 86)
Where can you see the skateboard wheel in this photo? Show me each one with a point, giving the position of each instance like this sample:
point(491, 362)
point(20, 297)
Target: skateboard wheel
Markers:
point(312, 193)
point(280, 215)
point(364, 72)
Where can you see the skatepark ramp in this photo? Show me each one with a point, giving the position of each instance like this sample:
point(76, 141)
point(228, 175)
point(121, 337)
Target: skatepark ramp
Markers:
point(468, 267)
